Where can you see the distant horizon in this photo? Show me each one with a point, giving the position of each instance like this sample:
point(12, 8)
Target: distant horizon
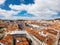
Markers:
point(29, 19)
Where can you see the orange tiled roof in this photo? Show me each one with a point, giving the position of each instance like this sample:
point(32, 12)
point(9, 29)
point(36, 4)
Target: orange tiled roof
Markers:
point(35, 33)
point(21, 41)
point(7, 40)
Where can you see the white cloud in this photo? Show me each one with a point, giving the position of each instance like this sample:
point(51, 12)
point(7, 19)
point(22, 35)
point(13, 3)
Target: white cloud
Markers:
point(7, 14)
point(2, 1)
point(20, 7)
point(42, 9)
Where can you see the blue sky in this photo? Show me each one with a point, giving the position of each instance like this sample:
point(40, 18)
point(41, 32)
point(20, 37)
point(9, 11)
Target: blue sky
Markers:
point(15, 2)
point(37, 9)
